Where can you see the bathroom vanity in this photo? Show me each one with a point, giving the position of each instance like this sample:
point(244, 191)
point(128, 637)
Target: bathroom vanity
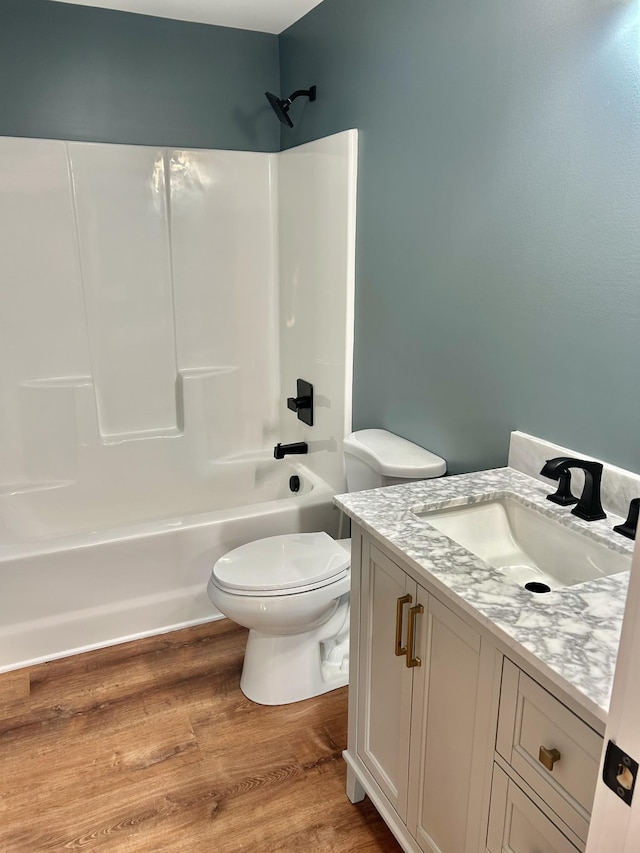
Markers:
point(477, 708)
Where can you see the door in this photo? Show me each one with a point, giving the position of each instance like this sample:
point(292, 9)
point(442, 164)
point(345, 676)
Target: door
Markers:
point(615, 826)
point(445, 705)
point(385, 682)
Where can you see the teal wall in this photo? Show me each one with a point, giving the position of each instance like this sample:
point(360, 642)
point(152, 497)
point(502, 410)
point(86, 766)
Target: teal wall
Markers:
point(498, 257)
point(75, 72)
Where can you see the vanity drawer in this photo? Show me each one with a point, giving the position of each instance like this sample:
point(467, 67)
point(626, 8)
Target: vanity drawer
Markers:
point(534, 727)
point(516, 825)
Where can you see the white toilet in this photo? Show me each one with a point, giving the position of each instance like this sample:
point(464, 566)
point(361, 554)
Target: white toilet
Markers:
point(292, 591)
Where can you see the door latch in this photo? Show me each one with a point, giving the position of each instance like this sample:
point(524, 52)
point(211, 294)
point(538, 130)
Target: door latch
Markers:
point(619, 772)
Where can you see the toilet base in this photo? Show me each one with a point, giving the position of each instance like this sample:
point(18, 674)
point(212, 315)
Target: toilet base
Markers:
point(279, 670)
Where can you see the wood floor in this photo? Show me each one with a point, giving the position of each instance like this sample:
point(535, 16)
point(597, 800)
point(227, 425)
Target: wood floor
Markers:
point(151, 746)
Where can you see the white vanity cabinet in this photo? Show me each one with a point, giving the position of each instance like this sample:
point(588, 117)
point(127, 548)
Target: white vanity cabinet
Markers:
point(423, 708)
point(551, 752)
point(517, 825)
point(460, 749)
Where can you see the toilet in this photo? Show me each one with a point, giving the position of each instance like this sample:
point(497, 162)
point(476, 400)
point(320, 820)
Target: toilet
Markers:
point(292, 591)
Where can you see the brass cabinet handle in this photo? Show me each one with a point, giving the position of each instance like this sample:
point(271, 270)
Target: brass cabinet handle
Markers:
point(548, 757)
point(405, 599)
point(411, 635)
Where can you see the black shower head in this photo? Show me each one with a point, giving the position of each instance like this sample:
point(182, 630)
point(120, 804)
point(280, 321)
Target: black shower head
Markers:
point(281, 105)
point(280, 108)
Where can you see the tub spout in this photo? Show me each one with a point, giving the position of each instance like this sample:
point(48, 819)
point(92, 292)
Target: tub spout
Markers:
point(281, 450)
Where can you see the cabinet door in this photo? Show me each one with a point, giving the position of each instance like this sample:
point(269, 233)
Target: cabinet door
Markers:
point(516, 825)
point(384, 681)
point(445, 707)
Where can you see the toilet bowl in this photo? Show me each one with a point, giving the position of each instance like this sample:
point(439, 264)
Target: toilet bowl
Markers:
point(292, 591)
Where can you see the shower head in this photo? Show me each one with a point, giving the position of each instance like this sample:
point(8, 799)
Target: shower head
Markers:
point(280, 108)
point(281, 105)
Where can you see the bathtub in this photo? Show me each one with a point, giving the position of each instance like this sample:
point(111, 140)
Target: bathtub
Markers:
point(69, 584)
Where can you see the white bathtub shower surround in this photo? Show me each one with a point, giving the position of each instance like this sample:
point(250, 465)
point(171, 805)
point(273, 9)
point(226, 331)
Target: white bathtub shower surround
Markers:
point(143, 340)
point(142, 362)
point(316, 321)
point(144, 310)
point(125, 263)
point(76, 593)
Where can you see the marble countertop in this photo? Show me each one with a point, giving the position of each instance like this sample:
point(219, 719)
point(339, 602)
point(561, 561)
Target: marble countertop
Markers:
point(571, 634)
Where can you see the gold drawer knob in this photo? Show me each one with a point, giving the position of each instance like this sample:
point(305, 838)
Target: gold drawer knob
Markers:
point(548, 757)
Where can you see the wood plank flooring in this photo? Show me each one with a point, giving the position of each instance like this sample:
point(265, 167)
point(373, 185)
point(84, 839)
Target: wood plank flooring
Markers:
point(151, 747)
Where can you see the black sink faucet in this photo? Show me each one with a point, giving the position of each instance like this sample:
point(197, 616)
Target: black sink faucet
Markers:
point(281, 450)
point(588, 507)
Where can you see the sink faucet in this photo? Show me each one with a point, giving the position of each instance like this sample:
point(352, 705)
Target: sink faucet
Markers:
point(281, 450)
point(588, 507)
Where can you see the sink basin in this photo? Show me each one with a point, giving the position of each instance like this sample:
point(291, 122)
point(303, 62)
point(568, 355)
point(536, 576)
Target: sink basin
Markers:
point(526, 546)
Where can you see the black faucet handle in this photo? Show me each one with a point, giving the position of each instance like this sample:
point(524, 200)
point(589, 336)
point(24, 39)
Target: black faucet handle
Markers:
point(302, 403)
point(563, 496)
point(589, 506)
point(630, 526)
point(297, 403)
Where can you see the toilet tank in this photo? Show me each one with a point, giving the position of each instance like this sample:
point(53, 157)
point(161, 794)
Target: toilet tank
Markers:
point(375, 457)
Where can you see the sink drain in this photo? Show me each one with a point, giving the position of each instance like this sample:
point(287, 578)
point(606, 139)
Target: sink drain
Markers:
point(536, 586)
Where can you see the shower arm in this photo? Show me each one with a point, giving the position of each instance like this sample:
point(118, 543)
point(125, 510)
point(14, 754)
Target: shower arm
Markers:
point(309, 93)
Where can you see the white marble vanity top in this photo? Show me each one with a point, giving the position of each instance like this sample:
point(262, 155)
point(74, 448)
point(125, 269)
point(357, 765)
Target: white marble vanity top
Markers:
point(571, 634)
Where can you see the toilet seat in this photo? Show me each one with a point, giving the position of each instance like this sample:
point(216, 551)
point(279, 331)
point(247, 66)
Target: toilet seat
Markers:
point(282, 565)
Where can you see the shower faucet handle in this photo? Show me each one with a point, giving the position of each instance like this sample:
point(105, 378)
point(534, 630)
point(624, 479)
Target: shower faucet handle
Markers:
point(297, 403)
point(303, 402)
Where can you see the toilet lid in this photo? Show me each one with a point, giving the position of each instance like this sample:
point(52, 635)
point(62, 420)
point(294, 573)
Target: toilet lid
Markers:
point(282, 564)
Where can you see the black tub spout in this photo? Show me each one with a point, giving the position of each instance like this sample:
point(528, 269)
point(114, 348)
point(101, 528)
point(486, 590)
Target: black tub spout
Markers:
point(282, 450)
